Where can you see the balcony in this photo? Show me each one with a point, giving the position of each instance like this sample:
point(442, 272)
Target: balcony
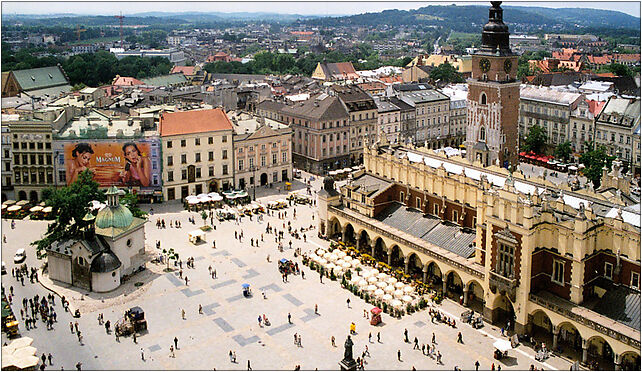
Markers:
point(504, 285)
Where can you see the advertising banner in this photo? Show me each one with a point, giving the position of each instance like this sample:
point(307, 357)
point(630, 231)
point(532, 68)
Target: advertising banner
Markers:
point(114, 163)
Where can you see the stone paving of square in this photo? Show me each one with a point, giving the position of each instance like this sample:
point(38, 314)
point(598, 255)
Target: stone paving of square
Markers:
point(229, 320)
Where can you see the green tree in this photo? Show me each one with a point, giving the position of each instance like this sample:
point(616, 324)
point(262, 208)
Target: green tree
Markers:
point(594, 161)
point(70, 204)
point(446, 73)
point(169, 255)
point(204, 217)
point(535, 140)
point(130, 200)
point(618, 69)
point(563, 151)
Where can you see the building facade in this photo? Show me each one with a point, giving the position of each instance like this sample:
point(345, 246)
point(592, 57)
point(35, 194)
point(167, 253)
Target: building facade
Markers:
point(262, 151)
point(581, 125)
point(616, 127)
point(547, 262)
point(549, 109)
point(7, 169)
point(362, 112)
point(197, 150)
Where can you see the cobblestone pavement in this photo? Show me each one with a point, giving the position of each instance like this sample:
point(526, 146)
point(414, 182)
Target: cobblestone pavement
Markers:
point(229, 320)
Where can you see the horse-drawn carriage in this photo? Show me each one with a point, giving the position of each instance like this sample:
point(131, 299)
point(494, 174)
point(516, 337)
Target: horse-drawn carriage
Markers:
point(132, 321)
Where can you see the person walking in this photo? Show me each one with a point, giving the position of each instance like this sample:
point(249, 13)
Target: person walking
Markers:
point(289, 318)
point(249, 367)
point(332, 340)
point(477, 365)
point(379, 337)
point(230, 356)
point(176, 342)
point(399, 355)
point(172, 355)
point(135, 339)
point(459, 338)
point(405, 335)
point(183, 314)
point(416, 344)
point(142, 354)
point(369, 336)
point(348, 302)
point(49, 357)
point(316, 309)
point(200, 309)
point(433, 338)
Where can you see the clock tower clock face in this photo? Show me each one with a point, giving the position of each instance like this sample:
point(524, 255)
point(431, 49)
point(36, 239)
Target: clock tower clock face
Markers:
point(484, 65)
point(508, 65)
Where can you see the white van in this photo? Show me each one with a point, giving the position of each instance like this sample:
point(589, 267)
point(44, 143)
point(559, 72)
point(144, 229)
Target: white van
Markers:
point(20, 256)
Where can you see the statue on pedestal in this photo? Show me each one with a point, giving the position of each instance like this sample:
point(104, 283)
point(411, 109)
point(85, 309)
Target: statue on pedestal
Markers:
point(347, 354)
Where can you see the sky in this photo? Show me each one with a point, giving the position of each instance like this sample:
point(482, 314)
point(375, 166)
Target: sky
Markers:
point(287, 7)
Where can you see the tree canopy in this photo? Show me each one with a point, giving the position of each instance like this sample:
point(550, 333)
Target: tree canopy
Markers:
point(563, 151)
point(535, 140)
point(70, 204)
point(446, 73)
point(594, 161)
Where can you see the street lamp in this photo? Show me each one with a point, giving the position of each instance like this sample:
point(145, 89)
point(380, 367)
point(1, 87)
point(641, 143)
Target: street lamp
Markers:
point(253, 170)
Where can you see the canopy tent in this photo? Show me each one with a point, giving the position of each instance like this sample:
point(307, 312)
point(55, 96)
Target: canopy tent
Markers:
point(245, 285)
point(196, 236)
point(503, 345)
point(382, 275)
point(14, 208)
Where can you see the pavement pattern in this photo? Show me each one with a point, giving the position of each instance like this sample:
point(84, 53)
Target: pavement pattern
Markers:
point(229, 320)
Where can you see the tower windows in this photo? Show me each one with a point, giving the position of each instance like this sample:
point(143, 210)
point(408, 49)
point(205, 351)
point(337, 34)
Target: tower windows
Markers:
point(482, 134)
point(482, 99)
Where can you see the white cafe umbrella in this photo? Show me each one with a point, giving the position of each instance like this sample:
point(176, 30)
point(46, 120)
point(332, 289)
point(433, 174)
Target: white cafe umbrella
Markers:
point(341, 254)
point(372, 279)
point(320, 251)
point(201, 196)
point(346, 265)
point(379, 293)
point(386, 297)
point(333, 257)
point(390, 289)
point(371, 288)
point(398, 293)
point(396, 303)
point(382, 275)
point(331, 266)
point(408, 289)
point(216, 197)
point(374, 271)
point(355, 279)
point(190, 197)
point(406, 299)
point(314, 257)
point(503, 345)
point(391, 280)
point(327, 255)
point(193, 201)
point(37, 208)
point(14, 208)
point(322, 261)
point(366, 274)
point(355, 262)
point(362, 283)
point(382, 285)
point(399, 285)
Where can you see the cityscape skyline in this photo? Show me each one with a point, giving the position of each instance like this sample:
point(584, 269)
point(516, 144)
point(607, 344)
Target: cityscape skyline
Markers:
point(326, 8)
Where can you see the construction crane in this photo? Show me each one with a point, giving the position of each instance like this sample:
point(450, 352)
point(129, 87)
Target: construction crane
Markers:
point(79, 30)
point(120, 18)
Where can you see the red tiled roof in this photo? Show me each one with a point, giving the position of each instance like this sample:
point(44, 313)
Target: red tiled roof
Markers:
point(627, 57)
point(195, 121)
point(304, 33)
point(221, 54)
point(595, 107)
point(186, 70)
point(391, 79)
point(599, 60)
point(606, 74)
point(124, 80)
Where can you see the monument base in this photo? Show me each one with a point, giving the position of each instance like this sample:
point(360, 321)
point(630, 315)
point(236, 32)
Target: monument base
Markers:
point(348, 365)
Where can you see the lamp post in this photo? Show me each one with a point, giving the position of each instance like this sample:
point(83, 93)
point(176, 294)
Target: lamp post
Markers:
point(253, 169)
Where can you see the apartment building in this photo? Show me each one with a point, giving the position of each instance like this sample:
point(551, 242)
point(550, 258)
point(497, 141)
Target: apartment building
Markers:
point(616, 127)
point(362, 111)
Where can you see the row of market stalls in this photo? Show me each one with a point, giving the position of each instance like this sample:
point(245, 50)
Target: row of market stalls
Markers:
point(23, 208)
point(19, 355)
point(549, 162)
point(341, 174)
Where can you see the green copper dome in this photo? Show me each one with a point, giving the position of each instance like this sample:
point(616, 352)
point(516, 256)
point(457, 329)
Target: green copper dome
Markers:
point(114, 215)
point(118, 217)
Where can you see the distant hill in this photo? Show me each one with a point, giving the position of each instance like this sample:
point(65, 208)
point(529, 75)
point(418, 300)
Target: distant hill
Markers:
point(470, 18)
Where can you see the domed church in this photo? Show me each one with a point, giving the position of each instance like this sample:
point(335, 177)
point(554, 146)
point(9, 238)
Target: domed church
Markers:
point(113, 246)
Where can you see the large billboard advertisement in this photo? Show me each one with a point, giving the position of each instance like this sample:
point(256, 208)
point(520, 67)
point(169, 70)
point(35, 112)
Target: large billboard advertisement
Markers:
point(114, 163)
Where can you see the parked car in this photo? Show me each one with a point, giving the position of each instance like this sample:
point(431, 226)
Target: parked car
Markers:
point(20, 256)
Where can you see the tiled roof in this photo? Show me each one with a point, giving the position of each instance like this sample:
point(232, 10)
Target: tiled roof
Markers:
point(341, 70)
point(195, 121)
point(595, 107)
point(320, 107)
point(124, 80)
point(39, 78)
point(186, 70)
point(369, 184)
point(429, 228)
point(548, 95)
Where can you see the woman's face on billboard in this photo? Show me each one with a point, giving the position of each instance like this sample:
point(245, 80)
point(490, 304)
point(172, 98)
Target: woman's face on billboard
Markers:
point(132, 154)
point(83, 159)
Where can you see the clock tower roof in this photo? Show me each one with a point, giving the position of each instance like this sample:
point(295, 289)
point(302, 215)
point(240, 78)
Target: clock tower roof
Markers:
point(495, 35)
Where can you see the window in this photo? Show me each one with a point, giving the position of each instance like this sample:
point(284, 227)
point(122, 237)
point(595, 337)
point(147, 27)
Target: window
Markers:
point(435, 209)
point(483, 99)
point(183, 174)
point(170, 176)
point(183, 158)
point(474, 221)
point(224, 154)
point(197, 157)
point(198, 172)
point(224, 169)
point(506, 260)
point(401, 196)
point(210, 156)
point(263, 160)
point(197, 141)
point(251, 162)
point(482, 134)
point(608, 270)
point(455, 216)
point(210, 140)
point(635, 280)
point(240, 164)
point(263, 146)
point(274, 158)
point(284, 155)
point(183, 143)
point(224, 139)
point(418, 203)
point(211, 171)
point(558, 272)
point(170, 160)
